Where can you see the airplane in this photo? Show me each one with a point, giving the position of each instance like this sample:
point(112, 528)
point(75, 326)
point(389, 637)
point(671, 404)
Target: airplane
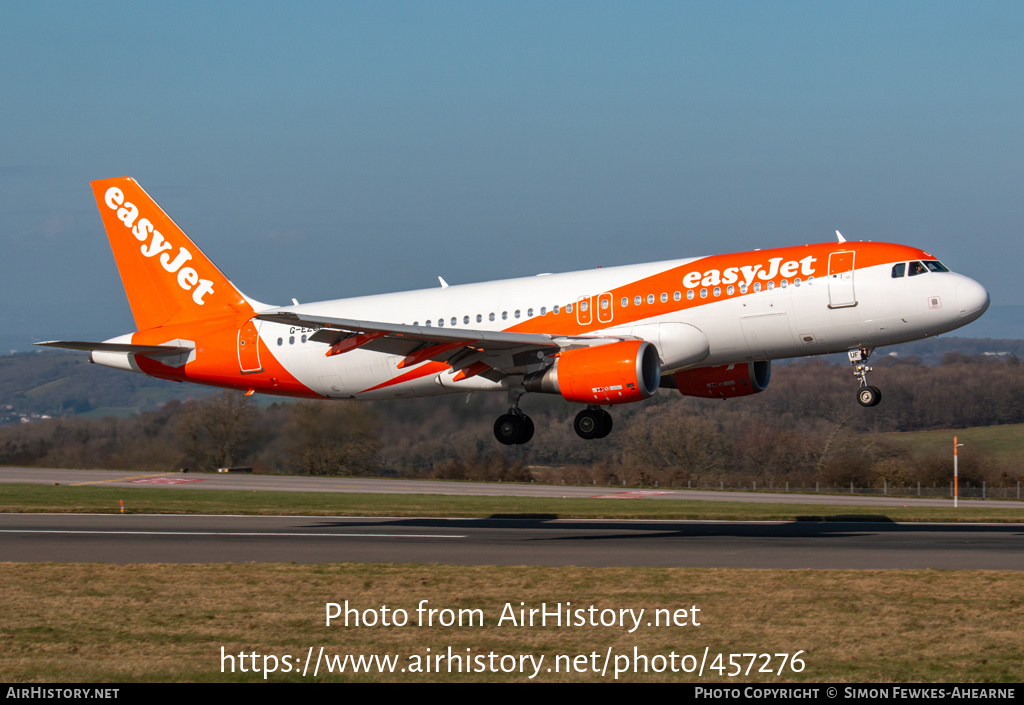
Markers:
point(706, 326)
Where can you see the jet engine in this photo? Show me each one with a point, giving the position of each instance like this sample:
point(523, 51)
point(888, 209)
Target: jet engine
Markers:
point(615, 373)
point(724, 381)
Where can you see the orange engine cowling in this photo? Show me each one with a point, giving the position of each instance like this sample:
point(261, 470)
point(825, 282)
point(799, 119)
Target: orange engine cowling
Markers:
point(724, 381)
point(603, 374)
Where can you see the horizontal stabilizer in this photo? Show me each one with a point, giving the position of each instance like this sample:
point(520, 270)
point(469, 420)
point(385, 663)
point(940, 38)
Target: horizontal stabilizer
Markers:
point(151, 351)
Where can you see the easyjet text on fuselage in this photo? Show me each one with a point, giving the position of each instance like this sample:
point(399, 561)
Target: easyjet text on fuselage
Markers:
point(731, 275)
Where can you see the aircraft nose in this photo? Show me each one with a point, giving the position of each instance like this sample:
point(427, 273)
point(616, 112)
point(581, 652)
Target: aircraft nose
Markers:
point(973, 299)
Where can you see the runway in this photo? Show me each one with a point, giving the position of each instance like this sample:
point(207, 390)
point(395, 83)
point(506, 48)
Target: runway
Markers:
point(283, 483)
point(129, 538)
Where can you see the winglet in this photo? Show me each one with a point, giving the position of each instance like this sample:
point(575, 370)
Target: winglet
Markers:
point(444, 284)
point(840, 237)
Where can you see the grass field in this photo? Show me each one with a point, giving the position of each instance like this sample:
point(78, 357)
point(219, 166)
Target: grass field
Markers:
point(161, 623)
point(1005, 443)
point(104, 623)
point(49, 498)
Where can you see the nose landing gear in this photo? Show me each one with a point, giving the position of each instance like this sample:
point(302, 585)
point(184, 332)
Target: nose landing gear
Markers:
point(866, 395)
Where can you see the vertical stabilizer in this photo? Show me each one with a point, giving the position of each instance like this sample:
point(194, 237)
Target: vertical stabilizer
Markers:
point(167, 278)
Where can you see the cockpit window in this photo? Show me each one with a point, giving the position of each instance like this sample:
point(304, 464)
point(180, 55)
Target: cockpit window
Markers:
point(898, 270)
point(917, 268)
point(935, 265)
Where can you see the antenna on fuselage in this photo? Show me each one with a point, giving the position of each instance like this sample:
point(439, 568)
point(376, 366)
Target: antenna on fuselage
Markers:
point(839, 235)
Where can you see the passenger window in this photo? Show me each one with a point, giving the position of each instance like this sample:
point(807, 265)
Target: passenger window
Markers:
point(677, 296)
point(898, 270)
point(479, 318)
point(555, 310)
point(689, 293)
point(650, 298)
point(490, 317)
point(543, 310)
point(624, 302)
point(917, 268)
point(664, 297)
point(636, 301)
point(529, 313)
point(517, 313)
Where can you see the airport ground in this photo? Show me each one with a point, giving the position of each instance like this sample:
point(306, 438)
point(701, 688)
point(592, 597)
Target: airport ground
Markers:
point(865, 598)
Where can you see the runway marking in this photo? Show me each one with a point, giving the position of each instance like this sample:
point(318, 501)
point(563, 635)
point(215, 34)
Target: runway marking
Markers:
point(633, 494)
point(230, 533)
point(166, 480)
point(133, 478)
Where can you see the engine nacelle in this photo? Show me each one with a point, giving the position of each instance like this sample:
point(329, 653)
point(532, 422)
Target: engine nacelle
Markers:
point(724, 381)
point(602, 374)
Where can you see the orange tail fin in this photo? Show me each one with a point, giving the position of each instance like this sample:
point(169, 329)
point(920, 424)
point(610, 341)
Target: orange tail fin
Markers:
point(167, 278)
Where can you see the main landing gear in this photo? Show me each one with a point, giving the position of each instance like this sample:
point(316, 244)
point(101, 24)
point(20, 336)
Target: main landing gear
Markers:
point(866, 395)
point(592, 422)
point(515, 427)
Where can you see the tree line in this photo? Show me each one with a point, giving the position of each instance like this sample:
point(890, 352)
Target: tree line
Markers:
point(806, 428)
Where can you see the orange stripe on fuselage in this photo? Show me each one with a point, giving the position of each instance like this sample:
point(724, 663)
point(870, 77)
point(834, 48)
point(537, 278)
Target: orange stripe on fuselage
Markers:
point(216, 358)
point(713, 270)
point(428, 368)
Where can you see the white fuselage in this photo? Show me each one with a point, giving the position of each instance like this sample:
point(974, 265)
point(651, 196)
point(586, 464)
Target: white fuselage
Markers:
point(790, 319)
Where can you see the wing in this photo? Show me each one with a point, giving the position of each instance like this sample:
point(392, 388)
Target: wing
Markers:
point(491, 354)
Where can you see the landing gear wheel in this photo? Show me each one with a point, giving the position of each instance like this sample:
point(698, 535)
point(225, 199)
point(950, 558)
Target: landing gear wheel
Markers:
point(527, 430)
point(508, 428)
point(869, 396)
point(513, 429)
point(587, 424)
point(592, 423)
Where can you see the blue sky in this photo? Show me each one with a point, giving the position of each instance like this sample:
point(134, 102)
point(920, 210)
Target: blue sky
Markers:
point(323, 150)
